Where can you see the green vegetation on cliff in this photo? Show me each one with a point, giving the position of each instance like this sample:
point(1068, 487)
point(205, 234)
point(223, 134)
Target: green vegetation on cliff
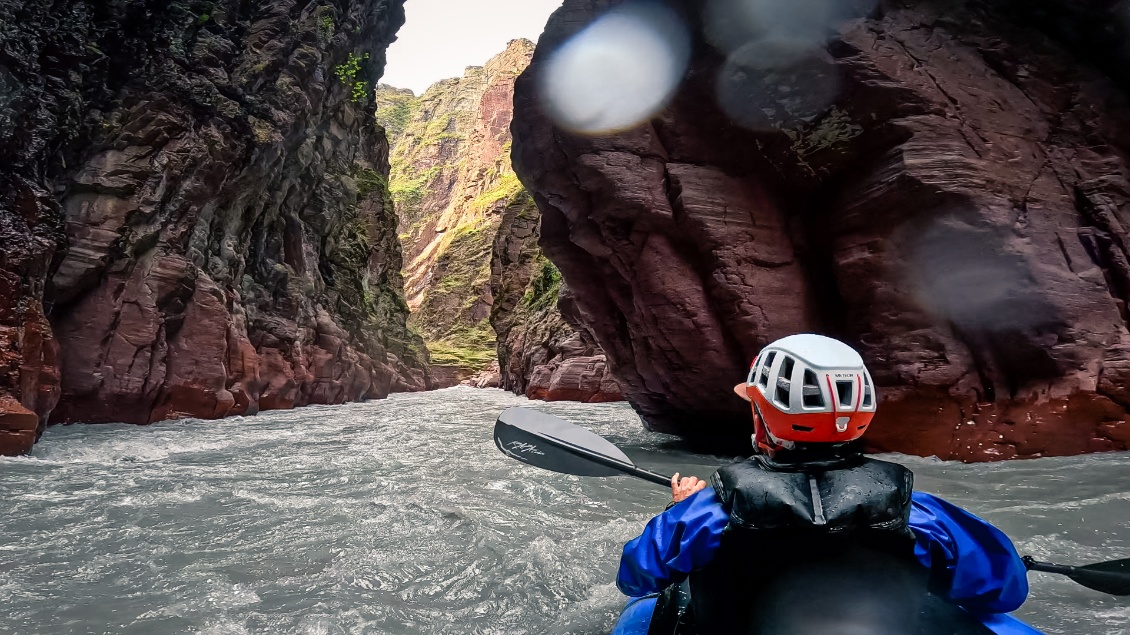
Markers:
point(348, 71)
point(450, 180)
point(461, 275)
point(544, 286)
point(507, 186)
point(468, 347)
point(409, 191)
point(395, 108)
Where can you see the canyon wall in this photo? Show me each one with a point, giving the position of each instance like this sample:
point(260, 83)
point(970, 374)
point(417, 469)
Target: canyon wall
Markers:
point(194, 212)
point(543, 352)
point(470, 231)
point(451, 178)
point(942, 184)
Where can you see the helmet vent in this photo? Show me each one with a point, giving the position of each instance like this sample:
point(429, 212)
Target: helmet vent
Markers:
point(867, 392)
point(782, 395)
point(803, 428)
point(813, 398)
point(843, 391)
point(764, 379)
point(784, 383)
point(787, 367)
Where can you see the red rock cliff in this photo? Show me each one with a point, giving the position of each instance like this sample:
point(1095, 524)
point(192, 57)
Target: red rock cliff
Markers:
point(957, 210)
point(543, 352)
point(197, 194)
point(470, 235)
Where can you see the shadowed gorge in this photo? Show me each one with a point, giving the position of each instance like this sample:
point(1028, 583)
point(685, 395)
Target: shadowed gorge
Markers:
point(450, 179)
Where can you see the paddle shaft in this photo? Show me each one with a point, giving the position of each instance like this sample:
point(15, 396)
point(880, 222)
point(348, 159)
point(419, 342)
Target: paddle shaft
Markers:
point(626, 468)
point(1048, 567)
point(1111, 577)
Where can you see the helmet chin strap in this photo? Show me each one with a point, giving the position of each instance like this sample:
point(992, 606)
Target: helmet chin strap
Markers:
point(763, 440)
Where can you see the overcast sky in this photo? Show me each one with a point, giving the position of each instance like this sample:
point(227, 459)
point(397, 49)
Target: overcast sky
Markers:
point(442, 37)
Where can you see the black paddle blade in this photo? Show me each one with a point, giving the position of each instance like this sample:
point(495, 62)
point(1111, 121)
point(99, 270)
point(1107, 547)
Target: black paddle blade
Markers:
point(545, 441)
point(1111, 577)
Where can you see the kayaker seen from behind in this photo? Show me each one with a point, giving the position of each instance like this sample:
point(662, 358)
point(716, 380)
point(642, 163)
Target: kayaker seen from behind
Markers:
point(809, 536)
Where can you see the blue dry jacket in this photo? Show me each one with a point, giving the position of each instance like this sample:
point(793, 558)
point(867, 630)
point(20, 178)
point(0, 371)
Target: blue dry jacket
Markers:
point(985, 574)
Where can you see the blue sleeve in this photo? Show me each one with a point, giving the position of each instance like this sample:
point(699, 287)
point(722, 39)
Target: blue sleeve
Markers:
point(974, 563)
point(675, 542)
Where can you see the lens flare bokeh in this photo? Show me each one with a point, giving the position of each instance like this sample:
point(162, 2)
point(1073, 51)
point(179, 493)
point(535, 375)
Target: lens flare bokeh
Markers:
point(777, 73)
point(732, 24)
point(963, 273)
point(776, 83)
point(618, 72)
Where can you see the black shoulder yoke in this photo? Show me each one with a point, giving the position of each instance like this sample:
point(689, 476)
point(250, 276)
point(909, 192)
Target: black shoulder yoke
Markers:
point(867, 495)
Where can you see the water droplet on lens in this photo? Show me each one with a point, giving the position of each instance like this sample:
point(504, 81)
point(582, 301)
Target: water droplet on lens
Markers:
point(618, 72)
point(776, 84)
point(731, 24)
point(963, 272)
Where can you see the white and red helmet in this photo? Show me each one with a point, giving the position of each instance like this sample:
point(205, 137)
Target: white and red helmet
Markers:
point(810, 389)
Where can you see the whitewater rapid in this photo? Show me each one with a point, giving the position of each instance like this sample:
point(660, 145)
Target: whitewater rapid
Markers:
point(399, 516)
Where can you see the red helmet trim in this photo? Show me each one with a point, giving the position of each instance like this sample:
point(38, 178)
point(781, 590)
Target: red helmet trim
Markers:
point(832, 396)
point(822, 424)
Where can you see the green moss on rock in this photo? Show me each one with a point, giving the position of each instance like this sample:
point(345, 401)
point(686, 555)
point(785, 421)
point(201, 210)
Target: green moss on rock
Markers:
point(470, 347)
point(544, 286)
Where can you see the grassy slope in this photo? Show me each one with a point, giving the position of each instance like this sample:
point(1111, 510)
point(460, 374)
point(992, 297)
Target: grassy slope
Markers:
point(451, 177)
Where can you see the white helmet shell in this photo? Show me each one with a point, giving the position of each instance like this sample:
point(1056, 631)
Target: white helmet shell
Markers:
point(818, 386)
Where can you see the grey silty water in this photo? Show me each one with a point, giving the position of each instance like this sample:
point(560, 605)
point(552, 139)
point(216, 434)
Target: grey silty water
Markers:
point(400, 516)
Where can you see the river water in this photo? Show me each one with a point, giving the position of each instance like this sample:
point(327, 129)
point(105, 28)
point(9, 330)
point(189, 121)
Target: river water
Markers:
point(400, 516)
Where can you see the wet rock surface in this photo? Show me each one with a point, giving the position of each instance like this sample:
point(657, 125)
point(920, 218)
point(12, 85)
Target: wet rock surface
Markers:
point(956, 210)
point(194, 212)
point(489, 377)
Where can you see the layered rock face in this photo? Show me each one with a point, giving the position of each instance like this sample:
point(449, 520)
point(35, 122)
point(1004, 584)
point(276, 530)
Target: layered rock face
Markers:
point(451, 178)
point(196, 192)
point(470, 236)
point(944, 185)
point(540, 353)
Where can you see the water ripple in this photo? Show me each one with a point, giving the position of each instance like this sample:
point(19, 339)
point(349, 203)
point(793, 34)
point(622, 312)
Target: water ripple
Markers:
point(400, 516)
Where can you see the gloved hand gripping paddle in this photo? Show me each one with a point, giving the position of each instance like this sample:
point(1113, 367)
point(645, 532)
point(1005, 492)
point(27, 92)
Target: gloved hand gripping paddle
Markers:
point(551, 443)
